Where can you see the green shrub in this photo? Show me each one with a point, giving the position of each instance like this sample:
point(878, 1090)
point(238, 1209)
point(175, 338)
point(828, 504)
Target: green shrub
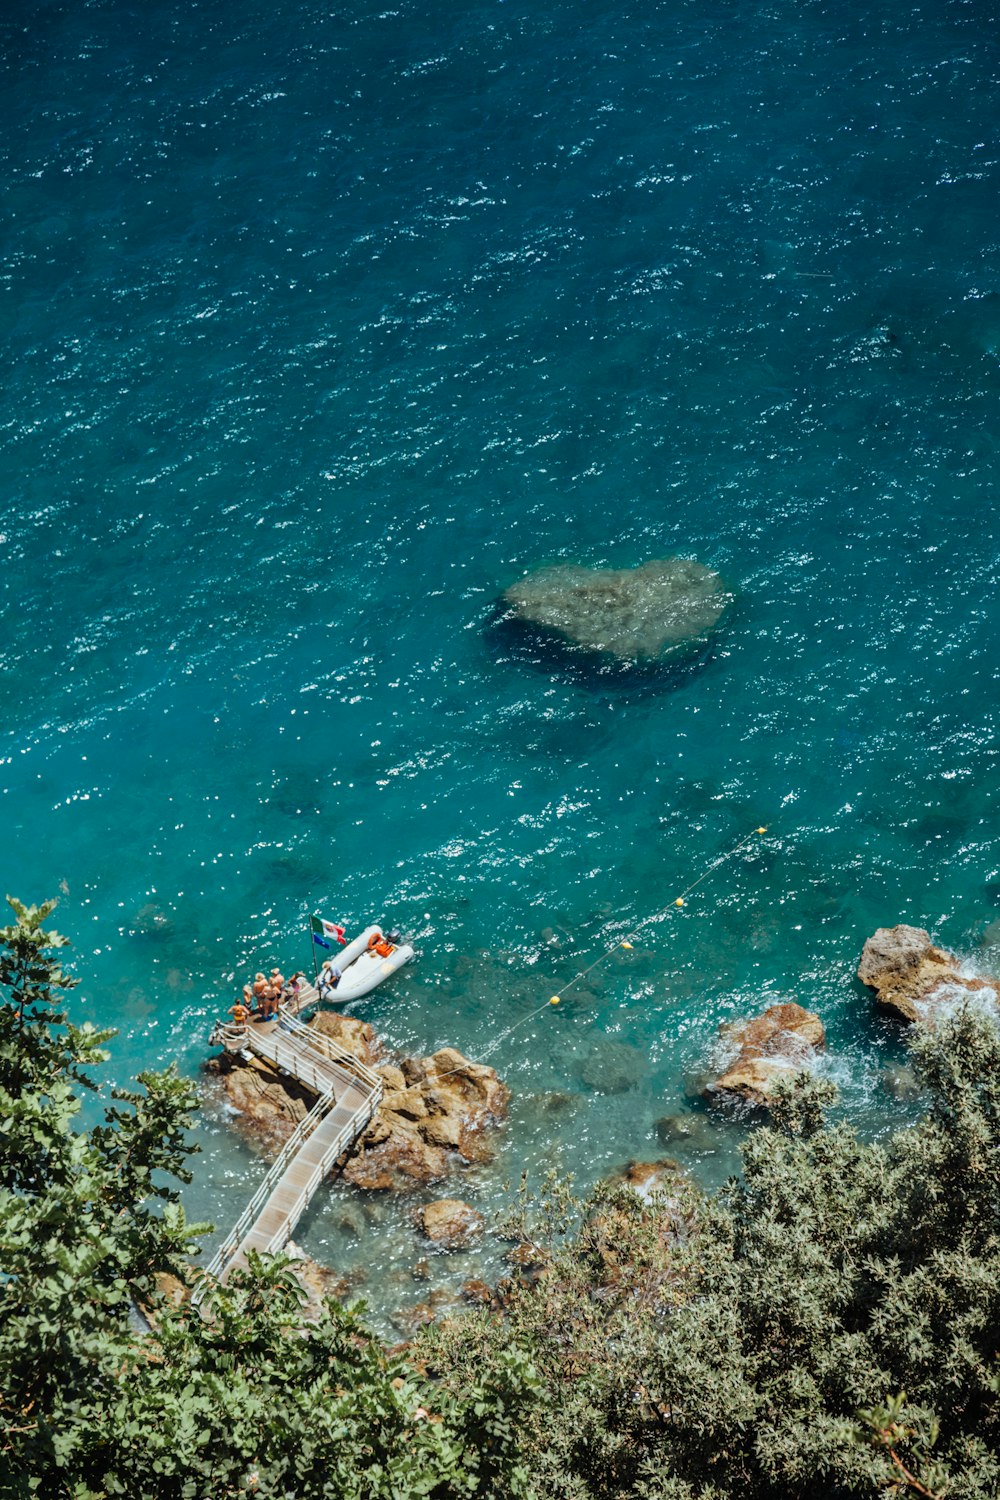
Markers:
point(827, 1326)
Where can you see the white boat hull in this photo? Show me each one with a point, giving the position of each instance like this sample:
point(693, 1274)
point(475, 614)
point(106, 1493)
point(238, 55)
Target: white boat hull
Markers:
point(361, 969)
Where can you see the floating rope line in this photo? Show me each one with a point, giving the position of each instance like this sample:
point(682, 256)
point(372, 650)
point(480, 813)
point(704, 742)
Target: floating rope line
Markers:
point(625, 942)
point(664, 911)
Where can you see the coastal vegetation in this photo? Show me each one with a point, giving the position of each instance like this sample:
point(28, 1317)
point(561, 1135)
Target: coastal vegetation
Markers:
point(828, 1325)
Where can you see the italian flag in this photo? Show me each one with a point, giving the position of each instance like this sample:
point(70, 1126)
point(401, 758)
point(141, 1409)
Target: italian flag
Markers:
point(323, 929)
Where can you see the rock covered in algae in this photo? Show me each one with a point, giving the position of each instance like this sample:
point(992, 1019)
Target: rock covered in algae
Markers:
point(646, 614)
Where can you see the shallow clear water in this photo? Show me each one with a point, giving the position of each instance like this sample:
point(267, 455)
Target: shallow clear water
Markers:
point(325, 325)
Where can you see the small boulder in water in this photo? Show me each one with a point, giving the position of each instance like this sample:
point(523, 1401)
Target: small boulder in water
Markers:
point(649, 1180)
point(910, 976)
point(643, 615)
point(781, 1042)
point(689, 1132)
point(451, 1223)
point(901, 1083)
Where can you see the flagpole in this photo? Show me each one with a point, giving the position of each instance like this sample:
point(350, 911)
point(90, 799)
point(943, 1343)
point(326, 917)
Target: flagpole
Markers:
point(312, 945)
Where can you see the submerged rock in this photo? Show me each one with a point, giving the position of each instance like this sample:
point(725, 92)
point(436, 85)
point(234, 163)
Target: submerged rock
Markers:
point(782, 1041)
point(451, 1223)
point(910, 976)
point(646, 614)
point(901, 1083)
point(152, 921)
point(613, 1067)
point(694, 1132)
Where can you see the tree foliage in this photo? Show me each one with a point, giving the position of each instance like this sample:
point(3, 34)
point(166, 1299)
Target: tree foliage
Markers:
point(827, 1326)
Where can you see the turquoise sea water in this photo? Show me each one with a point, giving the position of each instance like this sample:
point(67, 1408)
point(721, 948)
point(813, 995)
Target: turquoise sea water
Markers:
point(323, 324)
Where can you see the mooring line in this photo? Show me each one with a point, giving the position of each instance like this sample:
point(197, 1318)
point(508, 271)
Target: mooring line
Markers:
point(663, 911)
point(626, 942)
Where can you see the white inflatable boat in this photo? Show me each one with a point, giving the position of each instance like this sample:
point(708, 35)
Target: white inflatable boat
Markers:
point(360, 967)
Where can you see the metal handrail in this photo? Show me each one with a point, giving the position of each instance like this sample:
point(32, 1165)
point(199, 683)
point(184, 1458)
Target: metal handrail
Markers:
point(320, 1072)
point(347, 1133)
point(269, 1182)
point(327, 1048)
point(229, 1035)
point(318, 1060)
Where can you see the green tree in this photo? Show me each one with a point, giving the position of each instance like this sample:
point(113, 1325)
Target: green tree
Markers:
point(827, 1326)
point(84, 1230)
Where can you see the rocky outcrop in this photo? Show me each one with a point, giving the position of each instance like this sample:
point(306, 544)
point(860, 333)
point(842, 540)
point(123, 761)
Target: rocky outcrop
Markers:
point(267, 1105)
point(782, 1041)
point(910, 976)
point(318, 1282)
point(649, 1180)
point(645, 614)
point(354, 1035)
point(436, 1111)
point(451, 1224)
point(688, 1132)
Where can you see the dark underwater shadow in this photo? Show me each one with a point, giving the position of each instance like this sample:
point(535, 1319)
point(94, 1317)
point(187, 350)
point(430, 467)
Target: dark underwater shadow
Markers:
point(513, 641)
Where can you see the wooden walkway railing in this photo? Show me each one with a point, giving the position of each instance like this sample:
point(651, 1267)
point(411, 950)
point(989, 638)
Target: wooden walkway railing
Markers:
point(348, 1094)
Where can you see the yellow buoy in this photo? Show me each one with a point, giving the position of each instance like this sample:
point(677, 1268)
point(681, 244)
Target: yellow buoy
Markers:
point(626, 945)
point(554, 1000)
point(761, 830)
point(679, 901)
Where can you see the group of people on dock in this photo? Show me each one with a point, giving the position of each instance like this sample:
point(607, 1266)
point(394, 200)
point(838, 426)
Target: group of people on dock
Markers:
point(260, 1000)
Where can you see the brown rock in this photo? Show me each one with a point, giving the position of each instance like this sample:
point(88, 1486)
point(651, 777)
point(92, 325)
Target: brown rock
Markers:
point(909, 975)
point(771, 1046)
point(443, 1130)
point(442, 1114)
point(393, 1076)
point(318, 1282)
point(451, 1223)
point(354, 1035)
point(477, 1292)
point(414, 1069)
point(650, 1179)
point(402, 1159)
point(435, 1110)
point(409, 1102)
point(268, 1105)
